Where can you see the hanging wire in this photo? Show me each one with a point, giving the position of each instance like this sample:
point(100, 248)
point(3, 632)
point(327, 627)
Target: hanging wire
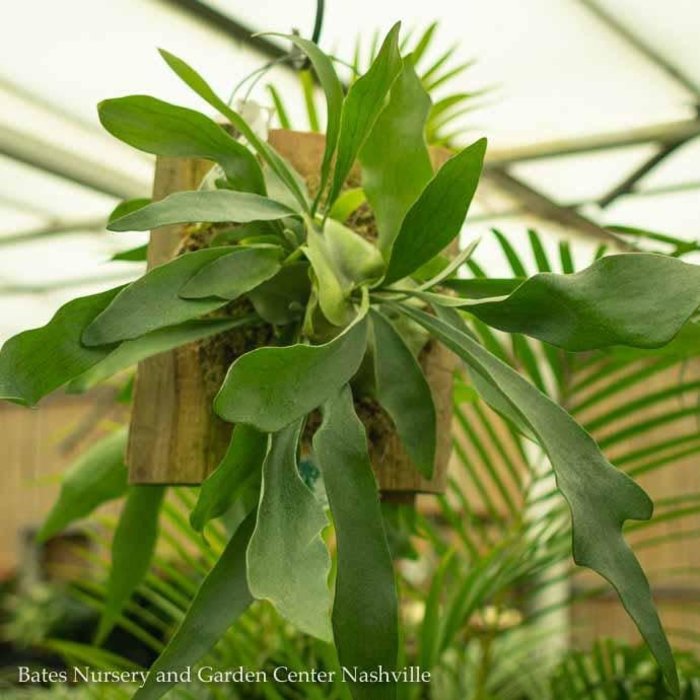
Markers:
point(318, 22)
point(257, 74)
point(295, 57)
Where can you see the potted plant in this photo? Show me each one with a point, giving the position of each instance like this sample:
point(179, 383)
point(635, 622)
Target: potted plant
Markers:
point(334, 314)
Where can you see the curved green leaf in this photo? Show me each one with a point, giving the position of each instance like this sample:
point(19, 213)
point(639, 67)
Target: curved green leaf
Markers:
point(437, 216)
point(288, 562)
point(278, 189)
point(600, 497)
point(269, 388)
point(283, 298)
point(405, 394)
point(395, 160)
point(635, 299)
point(280, 109)
point(165, 129)
point(127, 207)
point(195, 81)
point(364, 101)
point(483, 287)
point(222, 597)
point(365, 611)
point(132, 549)
point(97, 476)
point(154, 301)
point(202, 206)
point(233, 275)
point(348, 201)
point(137, 254)
point(239, 467)
point(34, 363)
point(333, 91)
point(342, 261)
point(451, 266)
point(131, 352)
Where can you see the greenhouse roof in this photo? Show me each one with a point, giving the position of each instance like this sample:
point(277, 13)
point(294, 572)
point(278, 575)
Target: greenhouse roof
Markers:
point(590, 107)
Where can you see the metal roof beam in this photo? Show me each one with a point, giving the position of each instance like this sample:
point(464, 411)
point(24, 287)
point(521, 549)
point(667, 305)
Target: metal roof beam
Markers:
point(540, 205)
point(643, 47)
point(76, 282)
point(630, 182)
point(60, 228)
point(651, 192)
point(228, 25)
point(663, 134)
point(52, 158)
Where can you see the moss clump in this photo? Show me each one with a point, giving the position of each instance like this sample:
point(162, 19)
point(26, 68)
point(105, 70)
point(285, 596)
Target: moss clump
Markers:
point(217, 352)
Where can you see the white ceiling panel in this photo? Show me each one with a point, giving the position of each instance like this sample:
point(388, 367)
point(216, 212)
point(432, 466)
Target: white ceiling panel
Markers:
point(670, 28)
point(53, 195)
point(673, 213)
point(557, 71)
point(583, 177)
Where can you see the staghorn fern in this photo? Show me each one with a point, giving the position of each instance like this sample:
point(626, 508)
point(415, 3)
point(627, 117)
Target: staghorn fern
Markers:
point(480, 559)
point(437, 69)
point(400, 280)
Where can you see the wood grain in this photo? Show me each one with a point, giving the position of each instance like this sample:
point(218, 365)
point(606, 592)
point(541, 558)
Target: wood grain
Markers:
point(175, 438)
point(173, 428)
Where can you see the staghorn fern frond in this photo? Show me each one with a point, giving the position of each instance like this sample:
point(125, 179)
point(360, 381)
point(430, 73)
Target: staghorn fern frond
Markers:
point(482, 625)
point(437, 70)
point(505, 516)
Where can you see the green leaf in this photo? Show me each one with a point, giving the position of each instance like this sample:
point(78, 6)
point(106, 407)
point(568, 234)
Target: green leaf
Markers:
point(333, 91)
point(342, 261)
point(34, 363)
point(395, 160)
point(165, 129)
point(208, 206)
point(405, 394)
point(128, 206)
point(438, 215)
point(451, 267)
point(365, 611)
point(97, 476)
point(483, 287)
point(288, 563)
point(137, 254)
point(239, 467)
point(132, 549)
point(424, 42)
point(282, 299)
point(240, 232)
point(635, 299)
point(232, 275)
point(364, 102)
point(278, 189)
point(269, 388)
point(280, 109)
point(600, 497)
point(153, 301)
point(131, 352)
point(308, 89)
point(221, 599)
point(348, 202)
point(195, 81)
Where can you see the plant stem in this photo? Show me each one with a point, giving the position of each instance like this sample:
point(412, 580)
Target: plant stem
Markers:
point(293, 256)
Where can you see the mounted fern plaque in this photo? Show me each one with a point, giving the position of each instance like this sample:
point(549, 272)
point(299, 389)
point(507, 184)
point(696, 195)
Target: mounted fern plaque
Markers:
point(305, 291)
point(175, 435)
